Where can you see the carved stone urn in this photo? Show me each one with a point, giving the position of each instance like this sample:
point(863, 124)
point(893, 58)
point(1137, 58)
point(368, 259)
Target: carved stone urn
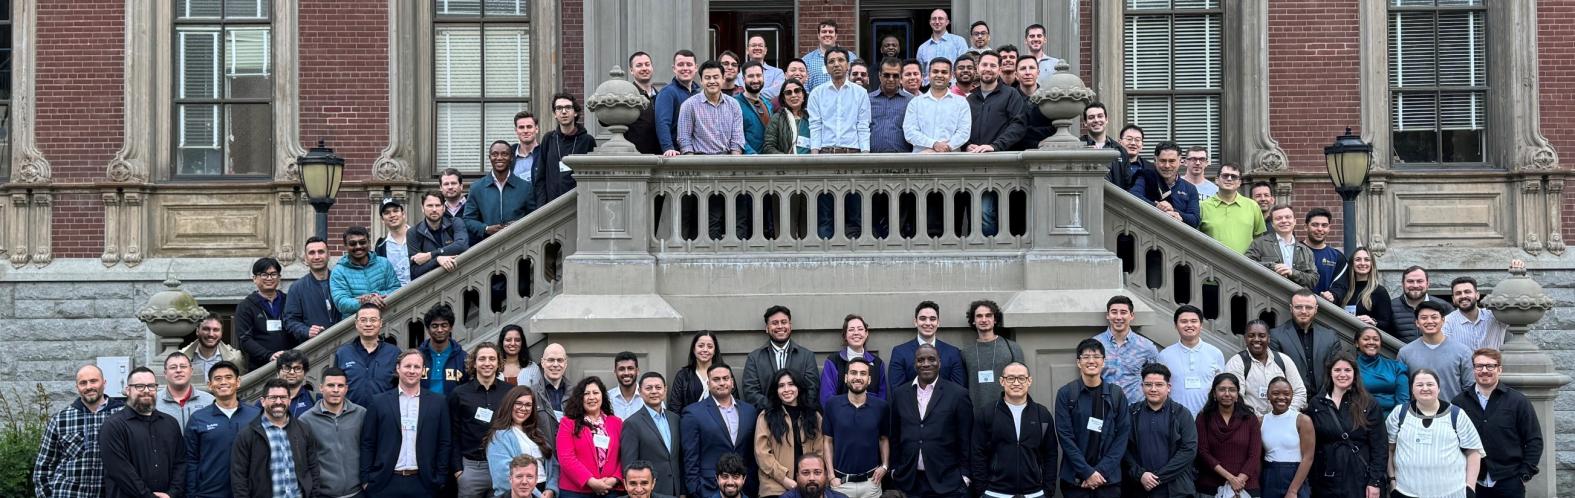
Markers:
point(617, 102)
point(171, 314)
point(1061, 99)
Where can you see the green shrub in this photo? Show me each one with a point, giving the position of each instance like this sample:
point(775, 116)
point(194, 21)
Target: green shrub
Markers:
point(21, 427)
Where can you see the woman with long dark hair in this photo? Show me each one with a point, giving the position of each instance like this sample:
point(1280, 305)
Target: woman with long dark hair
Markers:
point(1386, 379)
point(517, 367)
point(788, 427)
point(1352, 447)
point(1230, 444)
point(521, 427)
point(689, 383)
point(788, 131)
point(1360, 287)
point(855, 338)
point(588, 443)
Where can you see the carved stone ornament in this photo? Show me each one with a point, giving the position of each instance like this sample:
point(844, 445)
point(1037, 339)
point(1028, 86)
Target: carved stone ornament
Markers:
point(1518, 300)
point(1532, 245)
point(121, 170)
point(1542, 159)
point(171, 312)
point(34, 170)
point(1061, 99)
point(1270, 160)
point(391, 170)
point(617, 103)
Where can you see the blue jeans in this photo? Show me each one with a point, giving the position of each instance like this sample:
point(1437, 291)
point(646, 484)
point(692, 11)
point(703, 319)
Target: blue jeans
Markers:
point(1276, 478)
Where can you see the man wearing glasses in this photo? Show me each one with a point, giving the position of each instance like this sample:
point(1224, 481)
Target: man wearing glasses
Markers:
point(1507, 423)
point(1014, 448)
point(368, 362)
point(259, 319)
point(1196, 162)
point(1091, 425)
point(1229, 217)
point(292, 370)
point(941, 43)
point(978, 37)
point(144, 453)
point(362, 277)
point(178, 399)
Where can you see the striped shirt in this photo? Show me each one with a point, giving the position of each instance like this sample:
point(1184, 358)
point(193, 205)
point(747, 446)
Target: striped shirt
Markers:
point(839, 117)
point(1484, 332)
point(1423, 453)
point(710, 128)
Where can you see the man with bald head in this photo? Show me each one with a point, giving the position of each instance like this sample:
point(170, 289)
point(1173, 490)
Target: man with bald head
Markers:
point(68, 462)
point(554, 377)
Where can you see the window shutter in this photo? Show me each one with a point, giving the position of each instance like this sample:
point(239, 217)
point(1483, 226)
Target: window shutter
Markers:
point(1148, 56)
point(508, 61)
point(459, 137)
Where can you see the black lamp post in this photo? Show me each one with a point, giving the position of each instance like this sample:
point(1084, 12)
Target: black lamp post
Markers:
point(1349, 161)
point(321, 172)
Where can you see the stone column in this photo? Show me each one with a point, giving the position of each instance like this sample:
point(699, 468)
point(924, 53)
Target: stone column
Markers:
point(1520, 302)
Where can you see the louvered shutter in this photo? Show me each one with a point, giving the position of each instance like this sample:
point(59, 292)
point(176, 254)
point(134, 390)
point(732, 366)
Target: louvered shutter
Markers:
point(481, 78)
point(1174, 71)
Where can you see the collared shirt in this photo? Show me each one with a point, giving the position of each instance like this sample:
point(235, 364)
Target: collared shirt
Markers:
point(1484, 332)
point(730, 419)
point(623, 408)
point(1287, 250)
point(660, 417)
point(757, 116)
point(815, 60)
point(1192, 372)
point(774, 77)
point(949, 46)
point(779, 353)
point(1233, 223)
point(1255, 376)
point(456, 209)
point(924, 393)
point(398, 253)
point(69, 464)
point(523, 163)
point(1154, 446)
point(705, 127)
point(928, 120)
point(886, 118)
point(201, 364)
point(855, 432)
point(1124, 362)
point(281, 461)
point(555, 394)
point(839, 117)
point(436, 371)
point(409, 417)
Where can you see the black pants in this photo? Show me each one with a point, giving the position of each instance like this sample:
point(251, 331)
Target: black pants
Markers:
point(1069, 490)
point(922, 489)
point(405, 486)
point(1511, 487)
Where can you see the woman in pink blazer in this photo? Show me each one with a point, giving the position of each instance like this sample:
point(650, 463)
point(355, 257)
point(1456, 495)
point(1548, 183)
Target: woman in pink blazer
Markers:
point(588, 443)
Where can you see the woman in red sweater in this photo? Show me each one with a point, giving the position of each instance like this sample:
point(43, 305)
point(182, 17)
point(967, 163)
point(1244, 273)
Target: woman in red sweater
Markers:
point(588, 443)
point(1230, 446)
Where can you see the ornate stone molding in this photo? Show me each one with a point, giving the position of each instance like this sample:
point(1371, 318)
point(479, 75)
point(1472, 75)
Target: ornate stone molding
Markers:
point(142, 60)
point(286, 41)
point(1530, 219)
point(1555, 219)
point(28, 164)
point(1513, 94)
point(1246, 122)
point(20, 251)
point(30, 226)
point(291, 220)
point(409, 79)
point(111, 254)
point(132, 216)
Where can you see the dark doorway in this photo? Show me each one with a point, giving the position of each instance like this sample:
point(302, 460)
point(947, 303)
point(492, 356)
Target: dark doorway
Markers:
point(909, 21)
point(733, 22)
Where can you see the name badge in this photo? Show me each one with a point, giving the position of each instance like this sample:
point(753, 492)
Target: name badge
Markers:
point(986, 376)
point(275, 325)
point(1351, 309)
point(484, 414)
point(801, 142)
point(601, 441)
point(1263, 391)
point(1096, 425)
point(408, 425)
point(1194, 383)
point(1423, 439)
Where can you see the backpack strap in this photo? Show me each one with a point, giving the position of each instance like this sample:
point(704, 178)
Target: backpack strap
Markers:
point(1246, 363)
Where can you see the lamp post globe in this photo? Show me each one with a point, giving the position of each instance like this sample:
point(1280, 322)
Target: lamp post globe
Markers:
point(1349, 161)
point(321, 173)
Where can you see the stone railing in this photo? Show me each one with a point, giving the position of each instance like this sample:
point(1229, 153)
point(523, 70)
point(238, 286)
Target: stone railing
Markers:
point(525, 259)
point(1170, 264)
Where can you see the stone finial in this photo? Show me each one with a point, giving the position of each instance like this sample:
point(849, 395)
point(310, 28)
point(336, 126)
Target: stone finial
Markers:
point(1061, 99)
point(1518, 300)
point(617, 103)
point(172, 312)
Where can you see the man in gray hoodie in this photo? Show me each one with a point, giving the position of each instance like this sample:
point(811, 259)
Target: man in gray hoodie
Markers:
point(335, 423)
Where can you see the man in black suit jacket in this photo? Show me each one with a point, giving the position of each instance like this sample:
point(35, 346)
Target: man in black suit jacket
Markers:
point(1292, 336)
point(400, 459)
point(935, 432)
point(706, 435)
point(638, 480)
point(644, 440)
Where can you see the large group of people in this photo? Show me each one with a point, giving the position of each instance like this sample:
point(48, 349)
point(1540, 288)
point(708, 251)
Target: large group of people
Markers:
point(1297, 413)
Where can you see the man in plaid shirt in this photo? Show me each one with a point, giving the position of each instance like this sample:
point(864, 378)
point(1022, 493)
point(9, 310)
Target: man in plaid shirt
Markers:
point(68, 464)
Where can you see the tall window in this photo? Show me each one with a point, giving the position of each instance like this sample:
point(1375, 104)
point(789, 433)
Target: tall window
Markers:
point(481, 77)
point(1438, 80)
point(223, 88)
point(1174, 70)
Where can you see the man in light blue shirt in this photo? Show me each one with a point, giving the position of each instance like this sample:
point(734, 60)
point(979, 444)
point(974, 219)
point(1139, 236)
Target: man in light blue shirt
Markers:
point(1192, 362)
point(941, 43)
point(816, 61)
point(937, 120)
point(755, 51)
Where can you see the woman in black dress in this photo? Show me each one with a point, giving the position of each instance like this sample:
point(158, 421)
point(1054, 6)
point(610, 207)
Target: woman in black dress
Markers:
point(1352, 449)
point(688, 385)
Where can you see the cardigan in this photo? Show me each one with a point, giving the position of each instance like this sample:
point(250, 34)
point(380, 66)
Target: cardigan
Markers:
point(776, 459)
point(1237, 446)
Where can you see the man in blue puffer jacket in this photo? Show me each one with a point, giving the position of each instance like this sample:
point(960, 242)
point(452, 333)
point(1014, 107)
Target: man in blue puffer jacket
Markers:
point(361, 277)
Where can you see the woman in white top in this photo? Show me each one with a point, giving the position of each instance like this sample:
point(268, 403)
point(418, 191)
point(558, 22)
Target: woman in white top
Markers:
point(1434, 450)
point(1288, 444)
point(520, 426)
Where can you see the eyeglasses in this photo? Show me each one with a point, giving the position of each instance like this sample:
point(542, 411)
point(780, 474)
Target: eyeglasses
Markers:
point(1486, 367)
point(142, 387)
point(267, 276)
point(276, 398)
point(981, 33)
point(1229, 176)
point(1014, 379)
point(890, 76)
point(562, 108)
point(793, 91)
point(292, 369)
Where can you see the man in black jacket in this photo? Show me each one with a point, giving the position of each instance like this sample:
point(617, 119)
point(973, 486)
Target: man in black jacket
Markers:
point(274, 451)
point(1014, 444)
point(1096, 123)
point(925, 420)
point(1164, 441)
point(549, 176)
point(997, 125)
point(259, 319)
point(1507, 423)
point(144, 454)
point(438, 241)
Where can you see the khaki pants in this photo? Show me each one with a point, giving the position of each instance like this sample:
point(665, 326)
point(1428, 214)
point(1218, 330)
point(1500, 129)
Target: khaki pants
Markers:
point(866, 489)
